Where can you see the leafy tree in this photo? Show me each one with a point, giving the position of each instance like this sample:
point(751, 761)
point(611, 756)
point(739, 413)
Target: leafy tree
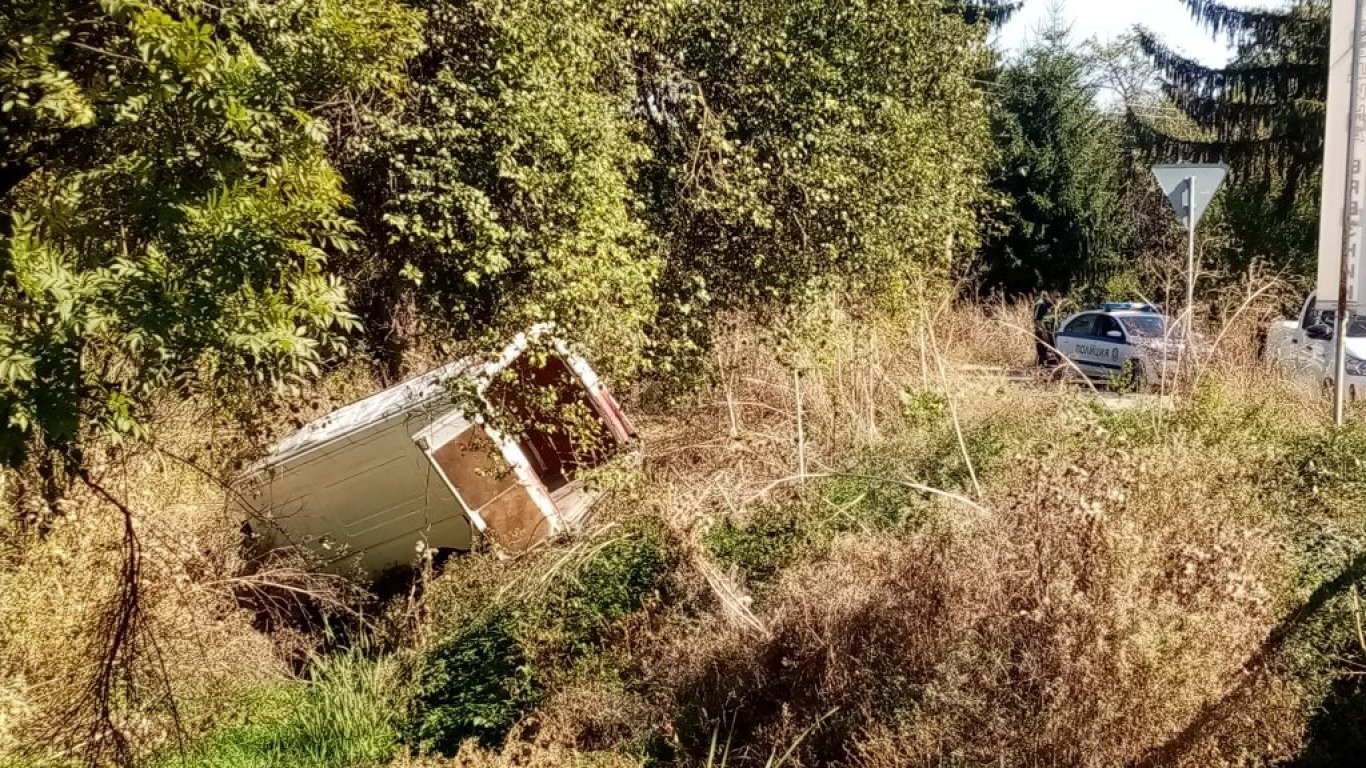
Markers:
point(1262, 114)
point(799, 145)
point(501, 194)
point(1062, 221)
point(170, 204)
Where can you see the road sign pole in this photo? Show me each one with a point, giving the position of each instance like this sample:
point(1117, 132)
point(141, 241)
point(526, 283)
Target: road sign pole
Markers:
point(1189, 188)
point(1348, 242)
point(1190, 256)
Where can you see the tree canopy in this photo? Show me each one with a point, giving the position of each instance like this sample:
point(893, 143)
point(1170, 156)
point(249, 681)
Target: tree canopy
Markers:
point(224, 197)
point(1061, 221)
point(1262, 115)
point(799, 144)
point(501, 193)
point(170, 204)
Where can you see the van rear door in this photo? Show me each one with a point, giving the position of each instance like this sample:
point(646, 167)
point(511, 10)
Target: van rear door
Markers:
point(495, 484)
point(518, 466)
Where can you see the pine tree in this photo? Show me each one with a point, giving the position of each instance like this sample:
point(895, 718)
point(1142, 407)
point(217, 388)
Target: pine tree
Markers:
point(1263, 115)
point(994, 13)
point(1063, 224)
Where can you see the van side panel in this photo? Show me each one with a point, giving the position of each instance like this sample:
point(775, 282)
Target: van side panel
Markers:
point(372, 492)
point(360, 485)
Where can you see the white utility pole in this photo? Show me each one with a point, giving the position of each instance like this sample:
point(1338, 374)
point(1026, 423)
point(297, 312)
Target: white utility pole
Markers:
point(1349, 215)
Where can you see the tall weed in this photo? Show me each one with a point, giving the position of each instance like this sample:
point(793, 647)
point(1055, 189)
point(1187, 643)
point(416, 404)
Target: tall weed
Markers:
point(343, 716)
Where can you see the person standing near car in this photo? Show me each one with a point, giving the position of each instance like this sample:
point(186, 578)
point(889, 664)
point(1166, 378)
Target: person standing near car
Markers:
point(1045, 326)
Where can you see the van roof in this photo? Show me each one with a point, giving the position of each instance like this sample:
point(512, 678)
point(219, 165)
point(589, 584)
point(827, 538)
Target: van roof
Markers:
point(423, 388)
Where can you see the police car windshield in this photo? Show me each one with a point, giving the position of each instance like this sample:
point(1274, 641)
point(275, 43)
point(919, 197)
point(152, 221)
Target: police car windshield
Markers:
point(1146, 326)
point(1356, 324)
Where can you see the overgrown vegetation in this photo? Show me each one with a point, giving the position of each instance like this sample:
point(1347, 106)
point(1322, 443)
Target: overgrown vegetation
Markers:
point(341, 716)
point(498, 657)
point(853, 542)
point(969, 572)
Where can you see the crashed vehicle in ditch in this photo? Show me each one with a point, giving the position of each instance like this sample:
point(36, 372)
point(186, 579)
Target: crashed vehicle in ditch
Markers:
point(503, 448)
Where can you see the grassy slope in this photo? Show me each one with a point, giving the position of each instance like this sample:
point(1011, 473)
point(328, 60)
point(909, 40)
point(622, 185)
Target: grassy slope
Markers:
point(1084, 588)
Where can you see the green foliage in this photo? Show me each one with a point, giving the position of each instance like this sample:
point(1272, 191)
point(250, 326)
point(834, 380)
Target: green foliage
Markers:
point(214, 197)
point(799, 145)
point(773, 538)
point(988, 443)
point(1332, 467)
point(340, 718)
point(994, 13)
point(501, 194)
point(923, 407)
point(480, 678)
point(170, 206)
point(1063, 221)
point(613, 583)
point(1121, 286)
point(758, 548)
point(474, 683)
point(1128, 379)
point(1262, 114)
point(868, 502)
point(1271, 223)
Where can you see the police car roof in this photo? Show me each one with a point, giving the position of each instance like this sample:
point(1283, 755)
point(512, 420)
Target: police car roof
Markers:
point(1133, 307)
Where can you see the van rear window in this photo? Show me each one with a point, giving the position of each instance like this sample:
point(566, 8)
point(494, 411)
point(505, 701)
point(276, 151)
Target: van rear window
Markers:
point(542, 404)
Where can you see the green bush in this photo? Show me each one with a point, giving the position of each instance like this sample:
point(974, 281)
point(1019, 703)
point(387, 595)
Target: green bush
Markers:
point(473, 684)
point(611, 584)
point(479, 680)
point(759, 547)
point(774, 538)
point(340, 718)
point(988, 443)
point(867, 502)
point(1331, 466)
point(923, 407)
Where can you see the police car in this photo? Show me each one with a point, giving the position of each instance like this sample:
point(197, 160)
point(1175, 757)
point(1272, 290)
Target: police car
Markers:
point(1121, 338)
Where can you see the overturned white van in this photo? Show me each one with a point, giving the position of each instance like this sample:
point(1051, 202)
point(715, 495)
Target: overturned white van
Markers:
point(498, 447)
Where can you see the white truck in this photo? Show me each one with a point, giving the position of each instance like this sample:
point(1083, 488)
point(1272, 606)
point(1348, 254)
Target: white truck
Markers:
point(432, 461)
point(1303, 347)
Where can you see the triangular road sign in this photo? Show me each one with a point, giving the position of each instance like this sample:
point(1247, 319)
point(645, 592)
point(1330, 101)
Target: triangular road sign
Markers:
point(1176, 180)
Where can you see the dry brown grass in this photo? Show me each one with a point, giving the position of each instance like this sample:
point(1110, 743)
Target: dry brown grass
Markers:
point(1086, 591)
point(194, 646)
point(1112, 596)
point(1069, 628)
